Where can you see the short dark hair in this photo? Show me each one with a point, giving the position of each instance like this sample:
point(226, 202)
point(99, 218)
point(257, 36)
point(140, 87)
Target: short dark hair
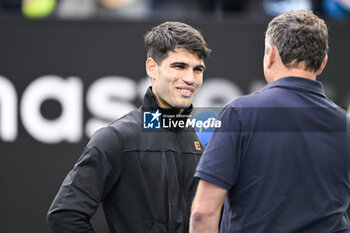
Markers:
point(171, 35)
point(299, 36)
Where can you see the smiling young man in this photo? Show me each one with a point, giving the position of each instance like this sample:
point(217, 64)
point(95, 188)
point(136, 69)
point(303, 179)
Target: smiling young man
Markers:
point(143, 178)
point(176, 80)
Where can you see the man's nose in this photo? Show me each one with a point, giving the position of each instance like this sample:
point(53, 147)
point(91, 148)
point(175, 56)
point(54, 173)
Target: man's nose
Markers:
point(189, 77)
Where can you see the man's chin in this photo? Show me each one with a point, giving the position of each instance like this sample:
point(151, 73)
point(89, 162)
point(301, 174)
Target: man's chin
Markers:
point(183, 106)
point(182, 103)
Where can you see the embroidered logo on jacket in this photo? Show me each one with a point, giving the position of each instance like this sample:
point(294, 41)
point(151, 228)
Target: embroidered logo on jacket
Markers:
point(197, 145)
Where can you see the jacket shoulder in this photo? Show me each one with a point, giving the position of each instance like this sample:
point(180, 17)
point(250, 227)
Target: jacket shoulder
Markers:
point(129, 124)
point(111, 137)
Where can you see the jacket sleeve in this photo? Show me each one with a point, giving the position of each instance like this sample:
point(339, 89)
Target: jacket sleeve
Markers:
point(85, 186)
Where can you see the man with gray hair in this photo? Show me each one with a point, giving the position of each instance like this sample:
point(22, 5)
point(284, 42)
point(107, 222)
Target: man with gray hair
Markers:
point(282, 156)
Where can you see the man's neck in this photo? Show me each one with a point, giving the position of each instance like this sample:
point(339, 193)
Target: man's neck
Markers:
point(296, 73)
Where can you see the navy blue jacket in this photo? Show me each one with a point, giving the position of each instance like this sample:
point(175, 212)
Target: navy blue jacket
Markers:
point(283, 154)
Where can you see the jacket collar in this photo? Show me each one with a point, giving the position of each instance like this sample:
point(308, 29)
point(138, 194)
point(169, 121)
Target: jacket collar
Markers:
point(298, 83)
point(150, 103)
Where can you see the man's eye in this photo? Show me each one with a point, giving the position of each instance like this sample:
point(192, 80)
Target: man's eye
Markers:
point(199, 69)
point(179, 67)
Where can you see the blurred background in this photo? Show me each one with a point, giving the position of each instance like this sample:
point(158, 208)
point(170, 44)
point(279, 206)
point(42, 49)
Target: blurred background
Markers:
point(68, 67)
point(194, 9)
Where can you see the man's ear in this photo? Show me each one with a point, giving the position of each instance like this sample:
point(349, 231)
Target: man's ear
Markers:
point(151, 68)
point(271, 56)
point(323, 65)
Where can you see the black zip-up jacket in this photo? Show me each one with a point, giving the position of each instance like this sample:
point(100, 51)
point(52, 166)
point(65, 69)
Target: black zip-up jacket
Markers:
point(144, 179)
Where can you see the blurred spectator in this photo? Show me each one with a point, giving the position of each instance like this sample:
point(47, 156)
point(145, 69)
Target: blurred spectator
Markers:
point(135, 9)
point(76, 8)
point(338, 9)
point(277, 7)
point(86, 8)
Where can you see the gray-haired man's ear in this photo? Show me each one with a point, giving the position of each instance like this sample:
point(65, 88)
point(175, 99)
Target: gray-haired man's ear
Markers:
point(272, 52)
point(323, 65)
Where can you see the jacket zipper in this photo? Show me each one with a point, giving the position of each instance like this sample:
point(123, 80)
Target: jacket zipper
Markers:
point(167, 202)
point(182, 192)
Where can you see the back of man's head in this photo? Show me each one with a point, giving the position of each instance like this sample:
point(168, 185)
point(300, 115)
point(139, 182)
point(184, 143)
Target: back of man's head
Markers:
point(171, 35)
point(300, 36)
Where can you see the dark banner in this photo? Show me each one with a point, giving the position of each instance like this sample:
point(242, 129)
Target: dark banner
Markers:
point(61, 80)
